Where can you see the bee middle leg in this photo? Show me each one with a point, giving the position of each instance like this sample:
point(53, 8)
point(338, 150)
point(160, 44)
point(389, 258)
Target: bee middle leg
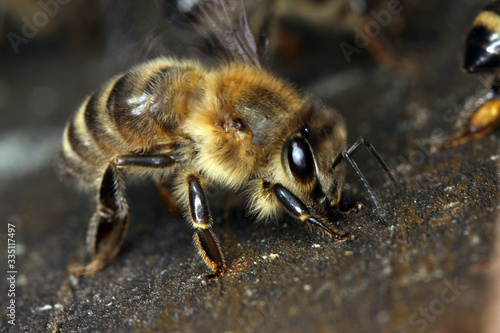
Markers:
point(197, 204)
point(201, 220)
point(298, 209)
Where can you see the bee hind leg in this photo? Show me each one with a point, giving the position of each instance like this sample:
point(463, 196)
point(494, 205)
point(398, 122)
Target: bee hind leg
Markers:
point(108, 225)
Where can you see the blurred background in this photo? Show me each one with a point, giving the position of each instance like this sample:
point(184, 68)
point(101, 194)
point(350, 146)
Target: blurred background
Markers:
point(392, 68)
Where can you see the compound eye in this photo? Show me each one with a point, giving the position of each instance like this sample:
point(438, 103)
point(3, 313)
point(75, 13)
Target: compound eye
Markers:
point(300, 159)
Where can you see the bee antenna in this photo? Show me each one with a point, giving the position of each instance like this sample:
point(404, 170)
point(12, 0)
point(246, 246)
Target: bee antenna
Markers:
point(346, 155)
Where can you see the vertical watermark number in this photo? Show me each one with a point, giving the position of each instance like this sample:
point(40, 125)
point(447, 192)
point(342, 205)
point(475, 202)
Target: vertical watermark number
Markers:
point(11, 273)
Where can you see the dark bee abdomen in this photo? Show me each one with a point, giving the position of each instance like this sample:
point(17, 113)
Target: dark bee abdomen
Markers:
point(482, 52)
point(493, 6)
point(133, 113)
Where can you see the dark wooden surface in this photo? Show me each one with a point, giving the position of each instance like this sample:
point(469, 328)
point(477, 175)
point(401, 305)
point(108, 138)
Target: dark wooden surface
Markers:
point(425, 266)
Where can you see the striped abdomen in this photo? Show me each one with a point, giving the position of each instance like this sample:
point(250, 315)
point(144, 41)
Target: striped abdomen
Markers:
point(136, 112)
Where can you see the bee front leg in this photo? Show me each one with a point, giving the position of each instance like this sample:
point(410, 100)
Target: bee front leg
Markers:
point(108, 225)
point(298, 209)
point(199, 215)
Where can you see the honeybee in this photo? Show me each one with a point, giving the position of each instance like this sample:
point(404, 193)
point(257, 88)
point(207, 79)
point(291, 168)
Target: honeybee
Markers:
point(482, 55)
point(191, 128)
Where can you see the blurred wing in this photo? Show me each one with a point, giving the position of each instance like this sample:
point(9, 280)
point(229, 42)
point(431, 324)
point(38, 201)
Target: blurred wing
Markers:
point(225, 26)
point(136, 31)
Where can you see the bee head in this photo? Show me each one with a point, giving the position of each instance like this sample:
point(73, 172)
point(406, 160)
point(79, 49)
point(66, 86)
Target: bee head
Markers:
point(308, 155)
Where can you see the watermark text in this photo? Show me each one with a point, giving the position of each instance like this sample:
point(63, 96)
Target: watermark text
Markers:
point(30, 26)
point(11, 273)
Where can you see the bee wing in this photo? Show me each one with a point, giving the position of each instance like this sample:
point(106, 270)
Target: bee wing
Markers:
point(136, 31)
point(225, 25)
